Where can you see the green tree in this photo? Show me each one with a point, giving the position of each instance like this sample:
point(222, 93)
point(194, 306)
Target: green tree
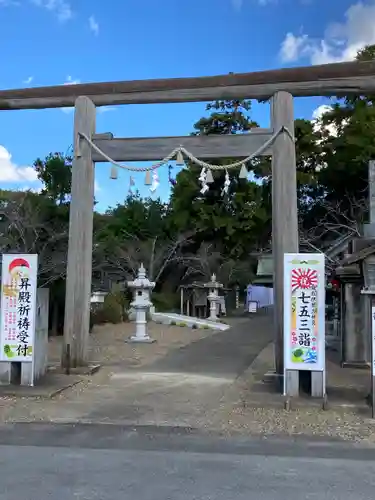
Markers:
point(347, 144)
point(55, 172)
point(31, 223)
point(232, 219)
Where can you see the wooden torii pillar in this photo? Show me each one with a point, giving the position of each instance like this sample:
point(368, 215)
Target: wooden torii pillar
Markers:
point(284, 215)
point(79, 269)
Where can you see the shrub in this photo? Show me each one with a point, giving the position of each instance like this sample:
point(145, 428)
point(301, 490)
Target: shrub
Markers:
point(112, 310)
point(165, 302)
point(124, 301)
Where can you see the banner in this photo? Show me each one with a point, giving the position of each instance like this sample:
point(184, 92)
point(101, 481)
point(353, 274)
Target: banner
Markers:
point(304, 312)
point(18, 307)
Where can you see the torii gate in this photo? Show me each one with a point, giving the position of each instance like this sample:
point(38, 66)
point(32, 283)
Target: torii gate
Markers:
point(280, 85)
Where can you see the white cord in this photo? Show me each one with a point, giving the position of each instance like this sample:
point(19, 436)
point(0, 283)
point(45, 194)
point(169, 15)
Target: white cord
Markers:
point(190, 156)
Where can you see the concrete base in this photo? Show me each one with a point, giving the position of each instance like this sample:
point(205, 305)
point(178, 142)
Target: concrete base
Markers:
point(272, 376)
point(17, 373)
point(140, 340)
point(48, 386)
point(275, 379)
point(363, 365)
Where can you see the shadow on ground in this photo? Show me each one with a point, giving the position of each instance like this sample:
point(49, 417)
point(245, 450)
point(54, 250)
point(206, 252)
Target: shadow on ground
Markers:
point(188, 385)
point(228, 353)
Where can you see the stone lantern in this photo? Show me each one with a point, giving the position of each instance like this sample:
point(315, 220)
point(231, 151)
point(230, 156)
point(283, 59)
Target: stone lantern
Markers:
point(98, 297)
point(141, 304)
point(213, 297)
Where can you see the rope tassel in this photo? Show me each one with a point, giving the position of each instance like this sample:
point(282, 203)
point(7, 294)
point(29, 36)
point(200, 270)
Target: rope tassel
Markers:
point(148, 180)
point(209, 177)
point(180, 162)
point(179, 154)
point(114, 173)
point(243, 172)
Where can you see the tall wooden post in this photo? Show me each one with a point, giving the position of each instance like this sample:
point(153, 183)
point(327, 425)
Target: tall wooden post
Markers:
point(78, 282)
point(284, 208)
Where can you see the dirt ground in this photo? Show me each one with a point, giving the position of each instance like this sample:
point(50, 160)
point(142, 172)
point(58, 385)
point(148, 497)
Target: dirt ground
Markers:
point(108, 347)
point(248, 409)
point(196, 378)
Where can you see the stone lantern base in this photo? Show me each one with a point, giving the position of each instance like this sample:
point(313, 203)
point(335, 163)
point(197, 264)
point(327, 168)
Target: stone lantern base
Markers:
point(141, 336)
point(140, 340)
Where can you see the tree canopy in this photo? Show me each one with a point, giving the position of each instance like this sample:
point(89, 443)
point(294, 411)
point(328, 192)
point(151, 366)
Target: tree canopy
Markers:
point(193, 235)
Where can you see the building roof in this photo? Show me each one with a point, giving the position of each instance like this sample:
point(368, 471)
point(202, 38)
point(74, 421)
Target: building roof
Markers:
point(339, 245)
point(358, 256)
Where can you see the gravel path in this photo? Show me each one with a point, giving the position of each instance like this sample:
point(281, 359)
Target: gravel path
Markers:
point(108, 347)
point(216, 404)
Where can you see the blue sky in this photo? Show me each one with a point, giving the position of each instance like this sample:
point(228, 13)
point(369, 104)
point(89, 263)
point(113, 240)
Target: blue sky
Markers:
point(50, 42)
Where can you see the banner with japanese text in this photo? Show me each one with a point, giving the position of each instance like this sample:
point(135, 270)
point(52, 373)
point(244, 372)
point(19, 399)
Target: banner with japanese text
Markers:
point(18, 306)
point(304, 312)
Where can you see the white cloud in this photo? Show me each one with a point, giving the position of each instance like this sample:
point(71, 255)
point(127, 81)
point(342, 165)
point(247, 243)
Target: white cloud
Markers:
point(319, 126)
point(71, 81)
point(94, 25)
point(320, 111)
point(10, 172)
point(317, 116)
point(105, 109)
point(28, 80)
point(61, 8)
point(97, 188)
point(341, 40)
point(36, 190)
point(293, 47)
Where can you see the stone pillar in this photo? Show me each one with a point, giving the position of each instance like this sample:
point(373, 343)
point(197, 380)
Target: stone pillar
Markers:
point(356, 345)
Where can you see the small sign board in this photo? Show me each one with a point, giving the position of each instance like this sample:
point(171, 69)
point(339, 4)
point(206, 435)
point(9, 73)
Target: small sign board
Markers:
point(252, 306)
point(304, 312)
point(18, 307)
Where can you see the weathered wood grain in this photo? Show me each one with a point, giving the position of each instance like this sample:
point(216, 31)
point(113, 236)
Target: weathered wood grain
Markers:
point(79, 269)
point(203, 147)
point(284, 215)
point(327, 79)
point(103, 135)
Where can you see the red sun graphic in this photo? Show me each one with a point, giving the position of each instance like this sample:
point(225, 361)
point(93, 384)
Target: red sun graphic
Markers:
point(304, 278)
point(18, 263)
